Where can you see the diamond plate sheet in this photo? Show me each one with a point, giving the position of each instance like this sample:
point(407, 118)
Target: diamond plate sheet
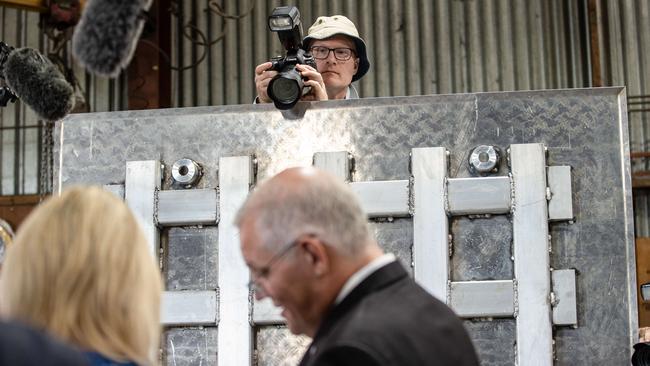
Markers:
point(190, 346)
point(586, 129)
point(276, 346)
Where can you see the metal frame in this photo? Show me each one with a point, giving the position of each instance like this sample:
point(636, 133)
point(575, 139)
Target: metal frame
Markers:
point(235, 336)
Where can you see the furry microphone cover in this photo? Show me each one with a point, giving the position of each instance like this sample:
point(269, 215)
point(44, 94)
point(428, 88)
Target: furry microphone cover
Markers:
point(107, 34)
point(39, 84)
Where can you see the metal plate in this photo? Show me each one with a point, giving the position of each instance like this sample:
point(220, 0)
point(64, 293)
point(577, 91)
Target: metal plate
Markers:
point(583, 128)
point(189, 308)
point(190, 346)
point(276, 346)
point(489, 195)
point(187, 207)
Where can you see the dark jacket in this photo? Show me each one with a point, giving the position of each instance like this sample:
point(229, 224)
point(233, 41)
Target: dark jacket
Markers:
point(97, 359)
point(22, 346)
point(390, 320)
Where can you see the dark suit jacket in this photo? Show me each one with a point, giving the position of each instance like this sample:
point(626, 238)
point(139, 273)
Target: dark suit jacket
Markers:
point(22, 346)
point(390, 320)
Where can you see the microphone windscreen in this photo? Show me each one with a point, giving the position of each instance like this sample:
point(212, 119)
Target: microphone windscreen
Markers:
point(38, 83)
point(107, 34)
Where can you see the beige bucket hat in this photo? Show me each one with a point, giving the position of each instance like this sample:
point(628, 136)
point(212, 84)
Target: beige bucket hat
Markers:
point(326, 27)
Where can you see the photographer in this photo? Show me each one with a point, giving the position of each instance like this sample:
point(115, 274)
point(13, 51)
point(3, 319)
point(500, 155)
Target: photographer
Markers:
point(340, 58)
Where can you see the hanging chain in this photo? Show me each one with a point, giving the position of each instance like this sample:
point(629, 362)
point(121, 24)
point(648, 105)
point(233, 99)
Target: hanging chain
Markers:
point(46, 175)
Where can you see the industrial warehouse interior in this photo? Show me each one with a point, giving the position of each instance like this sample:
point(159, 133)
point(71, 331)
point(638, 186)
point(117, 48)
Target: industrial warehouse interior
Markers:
point(497, 151)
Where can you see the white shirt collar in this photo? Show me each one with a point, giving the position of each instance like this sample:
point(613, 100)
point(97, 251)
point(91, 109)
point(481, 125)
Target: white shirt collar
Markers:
point(362, 274)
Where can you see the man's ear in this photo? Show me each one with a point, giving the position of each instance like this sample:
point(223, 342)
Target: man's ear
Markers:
point(316, 254)
point(356, 65)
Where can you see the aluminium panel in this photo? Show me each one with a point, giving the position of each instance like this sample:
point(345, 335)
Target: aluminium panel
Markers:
point(187, 207)
point(479, 299)
point(583, 128)
point(560, 206)
point(190, 308)
point(430, 224)
point(235, 332)
point(143, 179)
point(486, 195)
point(531, 255)
point(388, 198)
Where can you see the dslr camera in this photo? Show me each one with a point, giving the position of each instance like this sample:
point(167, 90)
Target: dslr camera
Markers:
point(6, 95)
point(286, 88)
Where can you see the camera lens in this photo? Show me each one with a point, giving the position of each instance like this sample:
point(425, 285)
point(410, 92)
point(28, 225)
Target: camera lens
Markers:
point(285, 90)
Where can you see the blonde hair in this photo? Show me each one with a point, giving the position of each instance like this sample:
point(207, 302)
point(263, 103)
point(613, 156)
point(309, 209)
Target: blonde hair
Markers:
point(81, 269)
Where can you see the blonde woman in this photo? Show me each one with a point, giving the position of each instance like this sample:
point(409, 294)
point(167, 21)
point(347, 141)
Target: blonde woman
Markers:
point(79, 268)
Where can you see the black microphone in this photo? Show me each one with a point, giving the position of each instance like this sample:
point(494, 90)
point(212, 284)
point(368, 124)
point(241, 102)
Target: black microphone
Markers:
point(107, 34)
point(38, 83)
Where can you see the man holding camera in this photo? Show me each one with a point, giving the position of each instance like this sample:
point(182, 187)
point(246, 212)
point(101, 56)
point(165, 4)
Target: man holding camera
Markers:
point(340, 56)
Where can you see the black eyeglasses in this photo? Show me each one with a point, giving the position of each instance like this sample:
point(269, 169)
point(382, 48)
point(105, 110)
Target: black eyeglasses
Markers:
point(265, 271)
point(341, 54)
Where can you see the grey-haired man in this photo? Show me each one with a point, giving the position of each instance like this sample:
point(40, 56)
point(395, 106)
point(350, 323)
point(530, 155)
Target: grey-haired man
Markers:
point(340, 59)
point(308, 246)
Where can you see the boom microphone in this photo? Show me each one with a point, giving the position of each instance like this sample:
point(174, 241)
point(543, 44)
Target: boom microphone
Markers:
point(38, 83)
point(105, 38)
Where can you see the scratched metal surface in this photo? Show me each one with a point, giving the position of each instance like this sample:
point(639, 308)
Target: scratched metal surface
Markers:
point(585, 128)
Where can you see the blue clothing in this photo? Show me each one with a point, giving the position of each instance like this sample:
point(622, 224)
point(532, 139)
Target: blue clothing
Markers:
point(97, 359)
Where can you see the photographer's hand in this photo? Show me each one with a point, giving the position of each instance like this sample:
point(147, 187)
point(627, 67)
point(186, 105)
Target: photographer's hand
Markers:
point(315, 80)
point(263, 77)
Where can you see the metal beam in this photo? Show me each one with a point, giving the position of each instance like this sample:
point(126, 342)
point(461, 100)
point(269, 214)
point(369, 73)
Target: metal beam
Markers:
point(190, 308)
point(565, 311)
point(478, 299)
point(265, 313)
point(235, 337)
point(430, 223)
point(143, 179)
point(531, 253)
point(388, 198)
point(187, 207)
point(471, 196)
point(336, 163)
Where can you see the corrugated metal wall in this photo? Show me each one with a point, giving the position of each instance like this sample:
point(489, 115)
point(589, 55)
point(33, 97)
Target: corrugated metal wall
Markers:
point(23, 136)
point(627, 62)
point(19, 129)
point(415, 47)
